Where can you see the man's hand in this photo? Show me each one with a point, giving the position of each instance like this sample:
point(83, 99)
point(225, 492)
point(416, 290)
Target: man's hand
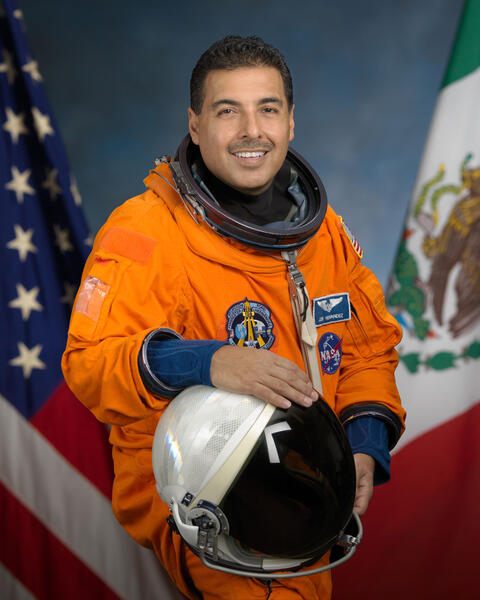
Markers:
point(364, 468)
point(262, 374)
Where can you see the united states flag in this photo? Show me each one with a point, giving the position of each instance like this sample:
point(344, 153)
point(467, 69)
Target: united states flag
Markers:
point(58, 536)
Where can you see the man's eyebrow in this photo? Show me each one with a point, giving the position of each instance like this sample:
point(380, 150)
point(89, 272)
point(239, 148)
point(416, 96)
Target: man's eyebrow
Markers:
point(269, 100)
point(225, 101)
point(272, 100)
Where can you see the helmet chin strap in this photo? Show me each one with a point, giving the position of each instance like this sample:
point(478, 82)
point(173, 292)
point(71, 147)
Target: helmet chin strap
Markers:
point(348, 542)
point(204, 537)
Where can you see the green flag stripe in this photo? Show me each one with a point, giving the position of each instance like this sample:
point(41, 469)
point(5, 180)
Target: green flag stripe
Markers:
point(465, 56)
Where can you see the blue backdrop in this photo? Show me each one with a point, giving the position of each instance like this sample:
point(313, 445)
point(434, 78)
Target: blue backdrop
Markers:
point(366, 76)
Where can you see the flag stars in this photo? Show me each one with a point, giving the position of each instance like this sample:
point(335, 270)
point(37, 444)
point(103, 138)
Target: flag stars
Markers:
point(42, 124)
point(32, 69)
point(61, 239)
point(70, 291)
point(14, 124)
point(7, 66)
point(28, 359)
point(51, 184)
point(19, 184)
point(75, 193)
point(22, 242)
point(26, 301)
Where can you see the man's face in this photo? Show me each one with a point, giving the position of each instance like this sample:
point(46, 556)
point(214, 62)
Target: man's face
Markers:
point(244, 127)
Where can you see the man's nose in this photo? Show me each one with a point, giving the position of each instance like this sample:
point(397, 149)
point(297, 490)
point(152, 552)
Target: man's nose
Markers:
point(250, 126)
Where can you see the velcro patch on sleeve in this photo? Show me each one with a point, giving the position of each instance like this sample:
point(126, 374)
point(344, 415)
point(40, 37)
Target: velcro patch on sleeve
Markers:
point(130, 244)
point(91, 298)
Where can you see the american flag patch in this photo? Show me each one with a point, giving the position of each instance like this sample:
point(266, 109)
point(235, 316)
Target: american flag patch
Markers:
point(351, 237)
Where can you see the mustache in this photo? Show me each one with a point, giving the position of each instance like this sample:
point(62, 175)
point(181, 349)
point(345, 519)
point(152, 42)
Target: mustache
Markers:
point(250, 146)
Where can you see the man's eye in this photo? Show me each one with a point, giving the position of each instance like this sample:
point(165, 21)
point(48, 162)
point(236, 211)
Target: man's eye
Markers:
point(270, 109)
point(226, 111)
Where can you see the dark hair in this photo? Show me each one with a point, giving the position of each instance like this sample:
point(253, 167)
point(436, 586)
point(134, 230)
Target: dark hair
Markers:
point(233, 52)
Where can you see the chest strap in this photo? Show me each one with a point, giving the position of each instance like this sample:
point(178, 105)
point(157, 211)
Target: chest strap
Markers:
point(302, 312)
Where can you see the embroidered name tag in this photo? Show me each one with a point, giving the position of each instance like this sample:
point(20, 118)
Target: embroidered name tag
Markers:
point(331, 309)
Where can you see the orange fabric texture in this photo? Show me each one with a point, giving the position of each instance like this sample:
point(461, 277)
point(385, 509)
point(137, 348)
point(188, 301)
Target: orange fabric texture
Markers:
point(165, 270)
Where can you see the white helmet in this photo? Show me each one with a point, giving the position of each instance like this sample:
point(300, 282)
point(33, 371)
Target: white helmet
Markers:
point(254, 489)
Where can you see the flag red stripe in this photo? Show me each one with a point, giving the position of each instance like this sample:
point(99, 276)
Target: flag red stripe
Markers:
point(421, 530)
point(76, 434)
point(40, 561)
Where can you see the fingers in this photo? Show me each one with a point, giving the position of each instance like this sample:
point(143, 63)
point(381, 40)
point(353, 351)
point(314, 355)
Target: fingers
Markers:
point(364, 467)
point(262, 374)
point(276, 390)
point(264, 393)
point(362, 501)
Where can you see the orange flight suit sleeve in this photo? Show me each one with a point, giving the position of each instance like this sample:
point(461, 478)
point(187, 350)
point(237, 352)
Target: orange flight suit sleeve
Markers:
point(115, 309)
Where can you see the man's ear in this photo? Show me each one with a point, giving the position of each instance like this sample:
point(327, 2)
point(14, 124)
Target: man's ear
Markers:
point(193, 125)
point(291, 124)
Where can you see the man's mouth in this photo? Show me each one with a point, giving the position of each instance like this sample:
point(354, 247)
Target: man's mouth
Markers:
point(249, 154)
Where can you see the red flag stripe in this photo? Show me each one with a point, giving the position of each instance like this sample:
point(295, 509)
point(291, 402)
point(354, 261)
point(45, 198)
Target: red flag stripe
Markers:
point(421, 529)
point(48, 569)
point(78, 436)
point(73, 510)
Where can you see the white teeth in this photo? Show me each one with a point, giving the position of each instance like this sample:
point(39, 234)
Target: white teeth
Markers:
point(249, 154)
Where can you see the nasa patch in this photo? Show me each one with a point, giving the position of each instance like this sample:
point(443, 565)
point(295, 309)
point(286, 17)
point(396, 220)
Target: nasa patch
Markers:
point(330, 350)
point(331, 309)
point(249, 324)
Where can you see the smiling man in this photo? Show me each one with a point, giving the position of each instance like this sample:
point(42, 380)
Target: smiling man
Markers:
point(205, 278)
point(244, 127)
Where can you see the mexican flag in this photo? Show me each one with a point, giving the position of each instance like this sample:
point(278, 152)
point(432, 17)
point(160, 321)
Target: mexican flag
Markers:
point(421, 530)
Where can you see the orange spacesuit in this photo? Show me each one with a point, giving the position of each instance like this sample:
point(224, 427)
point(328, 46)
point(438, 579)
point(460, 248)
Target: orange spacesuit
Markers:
point(153, 266)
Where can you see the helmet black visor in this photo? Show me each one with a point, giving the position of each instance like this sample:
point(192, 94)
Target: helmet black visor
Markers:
point(296, 507)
